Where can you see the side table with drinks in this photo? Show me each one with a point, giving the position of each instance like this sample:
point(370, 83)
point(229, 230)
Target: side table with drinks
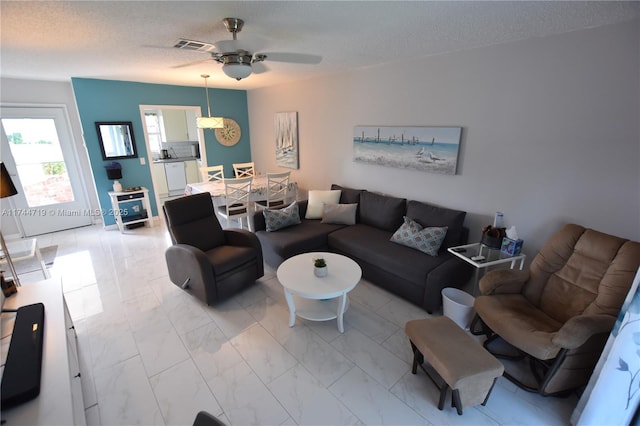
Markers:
point(481, 257)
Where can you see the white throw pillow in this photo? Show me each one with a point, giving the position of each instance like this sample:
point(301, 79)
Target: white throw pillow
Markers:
point(316, 200)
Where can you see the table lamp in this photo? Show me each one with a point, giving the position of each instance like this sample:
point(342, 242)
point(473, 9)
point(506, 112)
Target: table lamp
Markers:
point(114, 172)
point(7, 189)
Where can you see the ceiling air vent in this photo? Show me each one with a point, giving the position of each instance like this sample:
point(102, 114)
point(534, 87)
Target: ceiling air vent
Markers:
point(193, 45)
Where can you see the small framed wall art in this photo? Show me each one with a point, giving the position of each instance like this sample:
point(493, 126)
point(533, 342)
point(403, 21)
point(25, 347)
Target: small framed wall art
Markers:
point(286, 126)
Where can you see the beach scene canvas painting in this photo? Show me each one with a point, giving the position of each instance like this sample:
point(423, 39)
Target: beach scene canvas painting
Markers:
point(430, 149)
point(286, 124)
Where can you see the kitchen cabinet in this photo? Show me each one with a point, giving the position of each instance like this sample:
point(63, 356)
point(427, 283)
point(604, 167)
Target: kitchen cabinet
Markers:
point(192, 171)
point(171, 177)
point(176, 178)
point(179, 125)
point(160, 178)
point(175, 125)
point(192, 127)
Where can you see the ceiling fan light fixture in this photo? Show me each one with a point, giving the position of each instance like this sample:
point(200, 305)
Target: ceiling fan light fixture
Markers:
point(237, 70)
point(209, 122)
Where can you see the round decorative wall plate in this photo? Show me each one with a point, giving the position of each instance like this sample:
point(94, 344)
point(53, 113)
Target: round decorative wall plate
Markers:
point(230, 134)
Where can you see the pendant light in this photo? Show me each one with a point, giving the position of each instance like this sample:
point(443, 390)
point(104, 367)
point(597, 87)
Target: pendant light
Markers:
point(209, 122)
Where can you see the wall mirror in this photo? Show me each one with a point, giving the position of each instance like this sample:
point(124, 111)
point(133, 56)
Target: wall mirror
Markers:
point(116, 139)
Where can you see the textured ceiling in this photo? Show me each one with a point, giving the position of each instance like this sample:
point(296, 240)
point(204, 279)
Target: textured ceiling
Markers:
point(131, 40)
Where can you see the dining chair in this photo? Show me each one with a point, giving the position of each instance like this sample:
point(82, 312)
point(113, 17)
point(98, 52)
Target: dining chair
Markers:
point(277, 191)
point(212, 173)
point(237, 204)
point(243, 170)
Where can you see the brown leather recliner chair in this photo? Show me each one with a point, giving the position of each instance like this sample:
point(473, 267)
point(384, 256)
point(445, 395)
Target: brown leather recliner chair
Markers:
point(558, 314)
point(207, 261)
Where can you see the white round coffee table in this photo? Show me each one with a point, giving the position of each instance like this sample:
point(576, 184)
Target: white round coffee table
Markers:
point(319, 299)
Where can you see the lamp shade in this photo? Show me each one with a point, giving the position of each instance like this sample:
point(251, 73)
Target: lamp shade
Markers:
point(114, 174)
point(210, 122)
point(237, 71)
point(7, 187)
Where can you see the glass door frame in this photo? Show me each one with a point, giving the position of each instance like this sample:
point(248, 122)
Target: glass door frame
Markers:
point(79, 211)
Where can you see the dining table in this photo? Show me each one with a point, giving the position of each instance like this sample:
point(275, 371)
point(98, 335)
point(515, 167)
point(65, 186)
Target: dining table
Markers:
point(217, 190)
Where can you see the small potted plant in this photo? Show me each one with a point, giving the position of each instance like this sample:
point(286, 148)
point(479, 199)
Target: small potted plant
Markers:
point(319, 267)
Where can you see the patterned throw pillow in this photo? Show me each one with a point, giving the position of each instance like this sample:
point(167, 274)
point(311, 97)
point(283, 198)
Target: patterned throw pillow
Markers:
point(427, 240)
point(281, 218)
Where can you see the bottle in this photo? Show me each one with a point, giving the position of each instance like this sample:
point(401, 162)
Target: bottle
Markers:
point(498, 220)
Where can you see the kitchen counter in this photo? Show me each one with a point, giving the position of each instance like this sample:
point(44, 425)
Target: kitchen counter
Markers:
point(173, 160)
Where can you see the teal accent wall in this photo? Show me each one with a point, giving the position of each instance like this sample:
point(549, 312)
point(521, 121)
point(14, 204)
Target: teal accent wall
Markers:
point(110, 100)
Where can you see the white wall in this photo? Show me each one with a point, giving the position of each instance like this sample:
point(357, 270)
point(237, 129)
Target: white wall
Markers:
point(550, 130)
point(42, 93)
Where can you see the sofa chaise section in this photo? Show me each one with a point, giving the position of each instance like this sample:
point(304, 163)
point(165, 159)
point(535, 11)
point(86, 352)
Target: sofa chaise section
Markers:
point(309, 235)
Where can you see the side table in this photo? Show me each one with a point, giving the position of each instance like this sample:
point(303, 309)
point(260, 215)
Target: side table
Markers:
point(122, 197)
point(492, 257)
point(23, 249)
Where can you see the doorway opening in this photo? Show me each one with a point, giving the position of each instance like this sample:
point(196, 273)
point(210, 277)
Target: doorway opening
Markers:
point(177, 148)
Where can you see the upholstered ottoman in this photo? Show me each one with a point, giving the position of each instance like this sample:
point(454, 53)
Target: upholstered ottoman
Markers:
point(466, 368)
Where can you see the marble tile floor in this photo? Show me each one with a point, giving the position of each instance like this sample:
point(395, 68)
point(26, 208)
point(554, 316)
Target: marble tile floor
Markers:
point(153, 355)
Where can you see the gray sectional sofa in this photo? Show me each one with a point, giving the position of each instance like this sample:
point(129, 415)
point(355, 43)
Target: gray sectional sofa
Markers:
point(407, 272)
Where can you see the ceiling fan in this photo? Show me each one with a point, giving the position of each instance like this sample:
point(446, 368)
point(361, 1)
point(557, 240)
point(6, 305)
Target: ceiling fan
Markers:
point(237, 62)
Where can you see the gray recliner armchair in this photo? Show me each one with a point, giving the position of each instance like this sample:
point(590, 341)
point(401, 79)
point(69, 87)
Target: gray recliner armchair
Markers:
point(205, 260)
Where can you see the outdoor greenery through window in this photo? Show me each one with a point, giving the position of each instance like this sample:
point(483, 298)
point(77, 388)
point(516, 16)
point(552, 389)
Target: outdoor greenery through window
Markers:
point(36, 150)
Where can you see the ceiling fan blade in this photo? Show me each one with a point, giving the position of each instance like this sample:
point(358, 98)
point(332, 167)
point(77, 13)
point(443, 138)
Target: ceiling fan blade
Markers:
point(259, 67)
point(297, 58)
point(155, 46)
point(188, 64)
